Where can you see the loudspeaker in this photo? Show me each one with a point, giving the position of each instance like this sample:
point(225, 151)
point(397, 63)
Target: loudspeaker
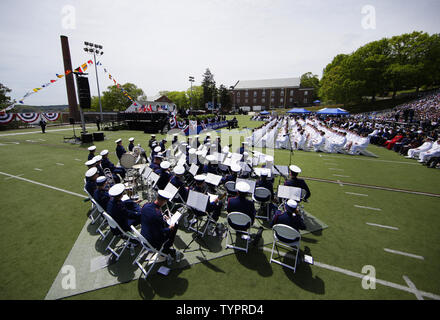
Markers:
point(83, 92)
point(71, 121)
point(86, 138)
point(98, 136)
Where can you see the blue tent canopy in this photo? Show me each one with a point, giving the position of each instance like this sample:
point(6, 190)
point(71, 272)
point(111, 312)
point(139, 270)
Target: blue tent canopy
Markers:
point(316, 101)
point(333, 111)
point(298, 110)
point(264, 112)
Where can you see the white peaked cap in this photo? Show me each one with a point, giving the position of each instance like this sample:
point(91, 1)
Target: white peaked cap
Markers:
point(295, 169)
point(157, 149)
point(179, 170)
point(119, 140)
point(164, 194)
point(269, 159)
point(97, 158)
point(292, 204)
point(165, 164)
point(116, 190)
point(131, 139)
point(91, 172)
point(242, 186)
point(104, 152)
point(235, 168)
point(101, 179)
point(192, 151)
point(90, 162)
point(200, 177)
point(210, 157)
point(92, 148)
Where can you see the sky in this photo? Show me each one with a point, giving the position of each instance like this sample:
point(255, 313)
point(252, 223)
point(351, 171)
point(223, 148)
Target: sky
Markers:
point(157, 45)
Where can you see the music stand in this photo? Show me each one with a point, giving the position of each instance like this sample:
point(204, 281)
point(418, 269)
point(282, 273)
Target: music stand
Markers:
point(197, 201)
point(286, 192)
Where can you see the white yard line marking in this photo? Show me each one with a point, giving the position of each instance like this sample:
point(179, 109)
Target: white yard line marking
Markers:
point(60, 164)
point(78, 160)
point(342, 176)
point(361, 276)
point(44, 185)
point(381, 226)
point(38, 169)
point(18, 175)
point(404, 254)
point(340, 183)
point(412, 286)
point(357, 194)
point(357, 158)
point(336, 169)
point(369, 208)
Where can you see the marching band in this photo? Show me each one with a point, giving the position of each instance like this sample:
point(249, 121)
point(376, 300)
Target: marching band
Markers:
point(192, 177)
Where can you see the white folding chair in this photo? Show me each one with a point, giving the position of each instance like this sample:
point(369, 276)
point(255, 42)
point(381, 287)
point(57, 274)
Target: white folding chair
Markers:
point(126, 236)
point(262, 196)
point(150, 254)
point(242, 220)
point(103, 224)
point(287, 237)
point(93, 209)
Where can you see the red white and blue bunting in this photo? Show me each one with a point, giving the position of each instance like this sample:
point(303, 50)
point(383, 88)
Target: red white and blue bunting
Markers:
point(28, 117)
point(5, 118)
point(52, 116)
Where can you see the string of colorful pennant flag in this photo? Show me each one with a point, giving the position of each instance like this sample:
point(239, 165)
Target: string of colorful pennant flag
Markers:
point(82, 68)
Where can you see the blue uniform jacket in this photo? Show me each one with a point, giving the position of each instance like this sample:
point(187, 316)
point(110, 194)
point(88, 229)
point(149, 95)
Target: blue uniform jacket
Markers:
point(237, 204)
point(293, 220)
point(91, 187)
point(120, 150)
point(120, 212)
point(298, 183)
point(102, 197)
point(153, 227)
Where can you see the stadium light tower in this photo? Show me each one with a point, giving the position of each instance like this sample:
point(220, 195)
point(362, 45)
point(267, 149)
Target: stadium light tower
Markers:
point(95, 49)
point(191, 79)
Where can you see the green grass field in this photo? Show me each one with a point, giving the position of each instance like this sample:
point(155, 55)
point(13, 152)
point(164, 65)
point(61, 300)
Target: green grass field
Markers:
point(40, 225)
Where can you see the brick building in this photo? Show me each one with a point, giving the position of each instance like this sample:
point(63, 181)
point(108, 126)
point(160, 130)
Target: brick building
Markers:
point(271, 94)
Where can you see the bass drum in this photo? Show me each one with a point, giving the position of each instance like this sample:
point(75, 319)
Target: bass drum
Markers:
point(128, 160)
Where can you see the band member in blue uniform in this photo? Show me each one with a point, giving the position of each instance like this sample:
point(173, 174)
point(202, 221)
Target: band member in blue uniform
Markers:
point(241, 204)
point(294, 181)
point(120, 150)
point(263, 182)
point(235, 169)
point(101, 194)
point(91, 176)
point(131, 144)
point(154, 226)
point(211, 167)
point(155, 165)
point(164, 175)
point(178, 180)
point(207, 138)
point(106, 163)
point(175, 139)
point(152, 141)
point(290, 217)
point(125, 215)
point(98, 160)
point(155, 152)
point(162, 145)
point(92, 150)
point(213, 207)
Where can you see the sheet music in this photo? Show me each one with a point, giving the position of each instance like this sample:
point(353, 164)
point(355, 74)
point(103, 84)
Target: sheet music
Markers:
point(152, 179)
point(170, 188)
point(182, 161)
point(283, 169)
point(258, 171)
point(219, 156)
point(236, 157)
point(197, 200)
point(286, 192)
point(245, 167)
point(212, 197)
point(193, 170)
point(147, 172)
point(251, 183)
point(175, 218)
point(227, 162)
point(213, 179)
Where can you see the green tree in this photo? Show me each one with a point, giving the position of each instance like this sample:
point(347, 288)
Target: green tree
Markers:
point(114, 100)
point(310, 80)
point(197, 97)
point(5, 100)
point(179, 98)
point(208, 85)
point(225, 98)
